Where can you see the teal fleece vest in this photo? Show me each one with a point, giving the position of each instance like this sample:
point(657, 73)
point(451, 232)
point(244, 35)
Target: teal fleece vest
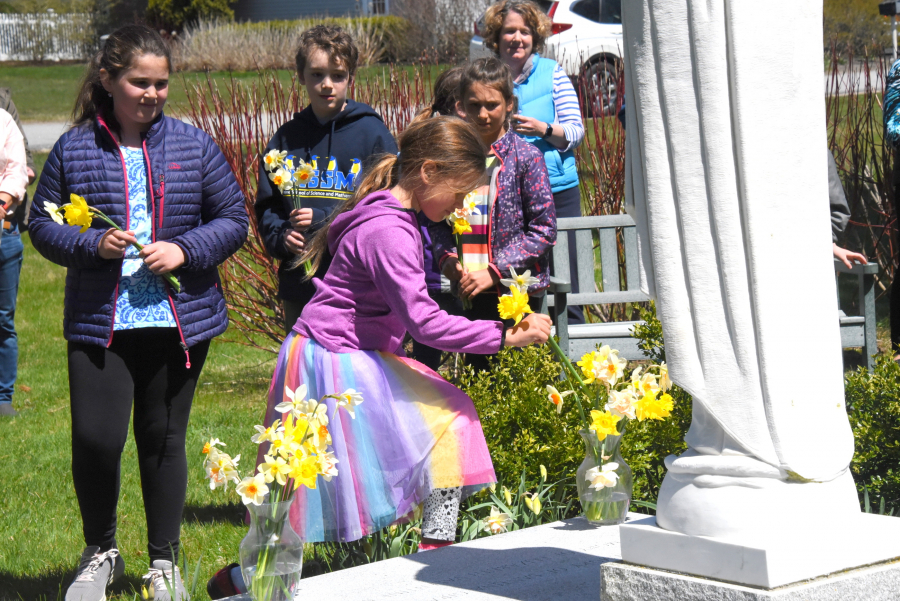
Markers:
point(535, 96)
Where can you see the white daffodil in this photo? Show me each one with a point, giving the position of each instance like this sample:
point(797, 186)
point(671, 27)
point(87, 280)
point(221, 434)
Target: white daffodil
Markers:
point(621, 403)
point(522, 282)
point(253, 489)
point(295, 403)
point(497, 522)
point(664, 382)
point(327, 465)
point(220, 469)
point(210, 445)
point(53, 209)
point(602, 477)
point(274, 159)
point(556, 397)
point(349, 399)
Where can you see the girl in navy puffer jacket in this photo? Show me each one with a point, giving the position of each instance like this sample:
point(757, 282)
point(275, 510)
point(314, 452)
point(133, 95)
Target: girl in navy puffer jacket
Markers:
point(131, 336)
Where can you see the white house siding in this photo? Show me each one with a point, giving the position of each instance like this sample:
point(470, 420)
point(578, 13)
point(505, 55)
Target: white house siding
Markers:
point(268, 10)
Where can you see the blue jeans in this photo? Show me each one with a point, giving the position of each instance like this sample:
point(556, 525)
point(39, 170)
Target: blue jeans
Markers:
point(10, 268)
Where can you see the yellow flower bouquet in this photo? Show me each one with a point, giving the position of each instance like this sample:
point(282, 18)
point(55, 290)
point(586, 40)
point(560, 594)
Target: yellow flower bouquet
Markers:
point(459, 222)
point(288, 173)
point(77, 212)
point(296, 454)
point(606, 400)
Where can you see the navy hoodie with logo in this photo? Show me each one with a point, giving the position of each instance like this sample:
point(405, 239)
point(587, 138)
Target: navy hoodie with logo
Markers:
point(338, 151)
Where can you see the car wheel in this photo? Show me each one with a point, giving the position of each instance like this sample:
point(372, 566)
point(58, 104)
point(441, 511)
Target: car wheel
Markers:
point(600, 88)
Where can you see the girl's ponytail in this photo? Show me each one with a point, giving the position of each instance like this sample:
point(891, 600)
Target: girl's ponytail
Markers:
point(118, 54)
point(451, 144)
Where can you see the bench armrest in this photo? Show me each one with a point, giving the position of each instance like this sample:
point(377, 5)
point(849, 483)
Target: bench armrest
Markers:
point(559, 285)
point(857, 269)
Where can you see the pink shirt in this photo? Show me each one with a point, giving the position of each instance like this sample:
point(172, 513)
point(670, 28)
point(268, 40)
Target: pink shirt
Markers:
point(13, 174)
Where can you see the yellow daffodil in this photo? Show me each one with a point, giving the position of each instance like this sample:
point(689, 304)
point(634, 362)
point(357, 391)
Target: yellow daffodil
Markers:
point(266, 434)
point(651, 407)
point(602, 477)
point(321, 437)
point(647, 384)
point(349, 399)
point(556, 397)
point(274, 469)
point(536, 505)
point(53, 210)
point(514, 305)
point(522, 282)
point(664, 382)
point(590, 364)
point(305, 470)
point(303, 173)
point(543, 472)
point(621, 403)
point(528, 502)
point(274, 159)
point(327, 465)
point(78, 212)
point(507, 496)
point(461, 226)
point(497, 522)
point(604, 423)
point(253, 489)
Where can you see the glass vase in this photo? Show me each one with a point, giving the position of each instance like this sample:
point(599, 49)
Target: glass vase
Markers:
point(271, 553)
point(606, 505)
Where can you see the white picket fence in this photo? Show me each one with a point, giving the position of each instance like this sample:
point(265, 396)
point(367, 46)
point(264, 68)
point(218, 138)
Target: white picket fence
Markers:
point(46, 36)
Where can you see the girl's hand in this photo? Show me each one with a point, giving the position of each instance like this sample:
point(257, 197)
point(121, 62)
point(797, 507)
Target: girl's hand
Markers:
point(474, 283)
point(163, 257)
point(453, 269)
point(535, 328)
point(846, 256)
point(301, 219)
point(294, 242)
point(113, 243)
point(528, 126)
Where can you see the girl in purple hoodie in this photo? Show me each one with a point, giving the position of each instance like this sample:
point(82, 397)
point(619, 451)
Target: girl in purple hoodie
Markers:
point(415, 438)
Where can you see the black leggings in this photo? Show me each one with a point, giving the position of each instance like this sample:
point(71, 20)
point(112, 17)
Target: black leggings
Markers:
point(147, 366)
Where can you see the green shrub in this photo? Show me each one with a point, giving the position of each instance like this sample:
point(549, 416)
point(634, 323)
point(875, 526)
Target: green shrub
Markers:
point(873, 405)
point(855, 24)
point(175, 14)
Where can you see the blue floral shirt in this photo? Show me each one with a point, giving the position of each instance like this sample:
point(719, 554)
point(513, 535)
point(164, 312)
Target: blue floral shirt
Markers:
point(143, 301)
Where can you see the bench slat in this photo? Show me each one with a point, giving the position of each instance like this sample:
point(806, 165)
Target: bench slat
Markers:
point(609, 260)
point(632, 273)
point(584, 242)
point(561, 267)
point(581, 223)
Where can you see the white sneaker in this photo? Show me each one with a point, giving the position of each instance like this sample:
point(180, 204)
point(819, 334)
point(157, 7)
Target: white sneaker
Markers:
point(95, 572)
point(161, 584)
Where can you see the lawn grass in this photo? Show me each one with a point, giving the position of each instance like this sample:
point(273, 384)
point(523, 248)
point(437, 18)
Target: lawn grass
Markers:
point(40, 527)
point(47, 93)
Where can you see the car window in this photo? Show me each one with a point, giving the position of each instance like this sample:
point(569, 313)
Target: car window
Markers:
point(611, 12)
point(589, 9)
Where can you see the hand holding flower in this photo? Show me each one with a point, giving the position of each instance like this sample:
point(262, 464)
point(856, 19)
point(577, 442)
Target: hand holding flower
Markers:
point(301, 219)
point(474, 283)
point(114, 242)
point(294, 242)
point(163, 257)
point(533, 329)
point(453, 269)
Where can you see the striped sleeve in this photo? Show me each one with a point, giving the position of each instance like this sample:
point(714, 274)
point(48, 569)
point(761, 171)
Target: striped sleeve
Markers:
point(568, 110)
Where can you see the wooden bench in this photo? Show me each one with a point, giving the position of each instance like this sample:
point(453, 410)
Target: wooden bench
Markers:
point(575, 340)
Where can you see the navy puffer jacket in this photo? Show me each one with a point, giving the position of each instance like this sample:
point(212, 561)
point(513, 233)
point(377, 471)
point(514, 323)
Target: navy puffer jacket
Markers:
point(195, 203)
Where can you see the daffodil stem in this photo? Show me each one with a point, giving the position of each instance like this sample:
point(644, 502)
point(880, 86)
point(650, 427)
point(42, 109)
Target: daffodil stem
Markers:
point(571, 373)
point(466, 301)
point(168, 276)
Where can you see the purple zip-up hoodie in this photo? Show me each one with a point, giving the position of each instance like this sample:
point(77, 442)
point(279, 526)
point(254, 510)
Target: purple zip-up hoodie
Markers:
point(375, 291)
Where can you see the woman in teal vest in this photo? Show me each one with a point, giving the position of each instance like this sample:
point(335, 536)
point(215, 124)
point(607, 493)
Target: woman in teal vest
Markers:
point(549, 115)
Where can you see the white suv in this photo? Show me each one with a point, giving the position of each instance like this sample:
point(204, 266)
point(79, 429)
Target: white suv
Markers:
point(587, 41)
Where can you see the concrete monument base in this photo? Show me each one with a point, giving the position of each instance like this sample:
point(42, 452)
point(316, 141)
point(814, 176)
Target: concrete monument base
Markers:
point(624, 582)
point(766, 561)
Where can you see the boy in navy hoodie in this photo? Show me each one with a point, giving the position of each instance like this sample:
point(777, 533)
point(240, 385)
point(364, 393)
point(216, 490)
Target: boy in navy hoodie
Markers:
point(335, 135)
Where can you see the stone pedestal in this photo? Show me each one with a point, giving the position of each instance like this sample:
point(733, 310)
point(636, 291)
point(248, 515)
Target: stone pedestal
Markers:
point(766, 562)
point(624, 582)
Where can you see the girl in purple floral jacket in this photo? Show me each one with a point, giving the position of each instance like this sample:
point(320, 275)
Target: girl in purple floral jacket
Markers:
point(513, 224)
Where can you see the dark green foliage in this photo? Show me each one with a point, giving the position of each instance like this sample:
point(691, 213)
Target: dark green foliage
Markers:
point(520, 424)
point(873, 405)
point(175, 14)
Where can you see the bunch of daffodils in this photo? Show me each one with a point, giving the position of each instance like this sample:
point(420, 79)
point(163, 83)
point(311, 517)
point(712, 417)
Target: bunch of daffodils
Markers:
point(289, 174)
point(459, 222)
point(79, 213)
point(612, 398)
point(298, 450)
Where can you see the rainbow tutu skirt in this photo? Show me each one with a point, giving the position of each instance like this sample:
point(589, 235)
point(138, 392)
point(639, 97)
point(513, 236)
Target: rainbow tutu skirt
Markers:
point(413, 432)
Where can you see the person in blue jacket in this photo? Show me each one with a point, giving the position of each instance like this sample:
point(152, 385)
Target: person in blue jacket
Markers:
point(892, 137)
point(336, 135)
point(133, 338)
